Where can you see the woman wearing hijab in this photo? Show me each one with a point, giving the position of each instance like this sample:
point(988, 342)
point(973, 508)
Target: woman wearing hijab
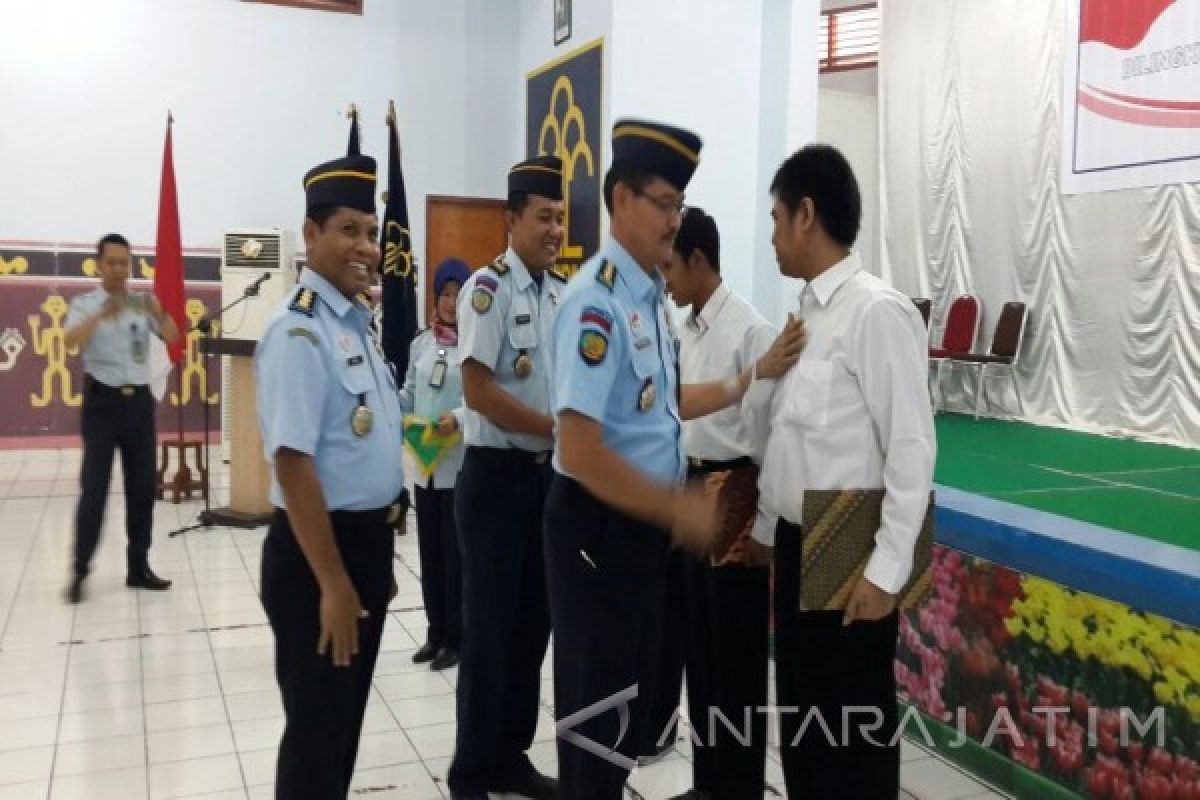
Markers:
point(433, 396)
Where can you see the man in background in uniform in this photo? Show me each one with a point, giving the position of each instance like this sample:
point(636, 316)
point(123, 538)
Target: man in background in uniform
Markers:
point(717, 608)
point(331, 428)
point(113, 328)
point(853, 414)
point(617, 502)
point(505, 319)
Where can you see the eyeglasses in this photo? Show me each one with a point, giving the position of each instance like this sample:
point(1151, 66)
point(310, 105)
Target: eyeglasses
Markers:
point(667, 205)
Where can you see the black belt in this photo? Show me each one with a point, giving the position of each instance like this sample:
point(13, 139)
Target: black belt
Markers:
point(512, 453)
point(127, 390)
point(700, 466)
point(388, 514)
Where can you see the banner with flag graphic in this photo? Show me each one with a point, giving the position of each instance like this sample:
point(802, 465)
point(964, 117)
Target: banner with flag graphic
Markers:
point(399, 266)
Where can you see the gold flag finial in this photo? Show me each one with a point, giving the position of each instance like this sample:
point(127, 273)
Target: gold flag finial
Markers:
point(391, 113)
point(352, 111)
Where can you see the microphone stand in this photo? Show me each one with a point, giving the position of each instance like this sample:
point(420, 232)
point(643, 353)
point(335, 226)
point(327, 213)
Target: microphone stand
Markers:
point(205, 518)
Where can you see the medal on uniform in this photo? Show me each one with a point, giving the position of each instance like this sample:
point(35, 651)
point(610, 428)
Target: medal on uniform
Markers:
point(523, 365)
point(437, 378)
point(362, 418)
point(647, 396)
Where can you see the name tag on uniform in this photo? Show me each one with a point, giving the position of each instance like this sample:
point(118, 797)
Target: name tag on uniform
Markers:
point(643, 343)
point(354, 361)
point(523, 319)
point(437, 376)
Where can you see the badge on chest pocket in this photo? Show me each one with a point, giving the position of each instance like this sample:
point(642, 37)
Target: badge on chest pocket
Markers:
point(437, 377)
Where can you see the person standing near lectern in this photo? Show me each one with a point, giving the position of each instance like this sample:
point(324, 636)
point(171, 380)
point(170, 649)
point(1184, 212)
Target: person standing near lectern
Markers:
point(112, 327)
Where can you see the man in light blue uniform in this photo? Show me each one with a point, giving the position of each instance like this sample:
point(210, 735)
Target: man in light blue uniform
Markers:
point(506, 318)
point(617, 502)
point(331, 429)
point(113, 328)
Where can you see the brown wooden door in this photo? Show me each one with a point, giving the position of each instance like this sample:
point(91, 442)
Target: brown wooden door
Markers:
point(470, 228)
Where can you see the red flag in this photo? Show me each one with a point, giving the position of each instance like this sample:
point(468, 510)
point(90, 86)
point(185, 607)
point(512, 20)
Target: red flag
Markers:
point(168, 250)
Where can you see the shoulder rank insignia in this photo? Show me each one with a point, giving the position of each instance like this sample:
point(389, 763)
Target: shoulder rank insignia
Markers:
point(304, 333)
point(364, 299)
point(558, 274)
point(607, 275)
point(499, 267)
point(304, 301)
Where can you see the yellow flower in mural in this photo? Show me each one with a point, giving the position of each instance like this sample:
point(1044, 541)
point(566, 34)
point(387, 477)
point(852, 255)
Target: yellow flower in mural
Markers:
point(1164, 693)
point(1193, 707)
point(1036, 632)
point(1015, 626)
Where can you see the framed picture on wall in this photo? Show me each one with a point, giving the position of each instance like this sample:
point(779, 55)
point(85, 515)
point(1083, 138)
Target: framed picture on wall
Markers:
point(562, 21)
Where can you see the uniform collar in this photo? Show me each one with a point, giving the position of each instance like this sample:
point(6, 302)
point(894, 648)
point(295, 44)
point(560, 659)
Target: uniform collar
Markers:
point(825, 285)
point(521, 276)
point(337, 302)
point(712, 308)
point(640, 284)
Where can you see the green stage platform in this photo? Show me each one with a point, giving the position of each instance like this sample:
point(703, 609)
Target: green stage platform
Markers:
point(1151, 490)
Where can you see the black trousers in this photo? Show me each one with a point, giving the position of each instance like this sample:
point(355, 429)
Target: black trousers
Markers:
point(116, 419)
point(441, 567)
point(605, 573)
point(821, 665)
point(505, 618)
point(715, 630)
point(323, 704)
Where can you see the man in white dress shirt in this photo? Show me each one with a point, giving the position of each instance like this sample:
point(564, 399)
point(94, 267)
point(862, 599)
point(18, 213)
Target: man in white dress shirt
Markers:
point(852, 414)
point(716, 613)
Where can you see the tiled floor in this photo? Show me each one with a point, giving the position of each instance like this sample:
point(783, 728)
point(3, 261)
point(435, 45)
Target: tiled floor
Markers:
point(137, 695)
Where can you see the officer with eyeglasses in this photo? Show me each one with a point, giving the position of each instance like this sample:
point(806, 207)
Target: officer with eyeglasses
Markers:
point(618, 503)
point(113, 328)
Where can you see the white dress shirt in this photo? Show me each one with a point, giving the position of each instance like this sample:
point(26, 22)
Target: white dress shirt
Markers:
point(716, 345)
point(853, 414)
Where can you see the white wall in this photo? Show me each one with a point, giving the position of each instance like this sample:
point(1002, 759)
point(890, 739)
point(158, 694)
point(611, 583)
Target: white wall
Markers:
point(259, 94)
point(859, 81)
point(850, 122)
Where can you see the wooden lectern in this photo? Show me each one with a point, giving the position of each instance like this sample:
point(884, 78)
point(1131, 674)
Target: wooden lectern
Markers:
point(249, 475)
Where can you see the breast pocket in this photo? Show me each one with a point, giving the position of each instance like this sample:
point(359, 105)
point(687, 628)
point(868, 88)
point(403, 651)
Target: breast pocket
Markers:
point(523, 335)
point(808, 388)
point(356, 378)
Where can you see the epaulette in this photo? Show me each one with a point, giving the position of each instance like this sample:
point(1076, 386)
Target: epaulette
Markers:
point(607, 276)
point(498, 266)
point(305, 301)
point(364, 298)
point(558, 274)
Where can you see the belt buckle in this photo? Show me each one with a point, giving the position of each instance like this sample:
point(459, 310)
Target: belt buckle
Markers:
point(393, 514)
point(695, 463)
point(127, 391)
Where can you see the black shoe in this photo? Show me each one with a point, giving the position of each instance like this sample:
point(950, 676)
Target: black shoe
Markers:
point(445, 659)
point(75, 590)
point(427, 653)
point(145, 578)
point(692, 794)
point(528, 782)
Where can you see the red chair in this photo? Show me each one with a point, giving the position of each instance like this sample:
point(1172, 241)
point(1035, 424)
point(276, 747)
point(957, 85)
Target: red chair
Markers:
point(1004, 352)
point(958, 337)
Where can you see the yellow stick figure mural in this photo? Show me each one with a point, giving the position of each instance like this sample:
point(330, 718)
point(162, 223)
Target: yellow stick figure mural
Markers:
point(194, 370)
point(51, 344)
point(553, 140)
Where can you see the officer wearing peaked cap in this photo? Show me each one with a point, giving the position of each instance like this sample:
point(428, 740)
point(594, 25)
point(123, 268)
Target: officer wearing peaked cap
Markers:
point(331, 429)
point(506, 316)
point(616, 504)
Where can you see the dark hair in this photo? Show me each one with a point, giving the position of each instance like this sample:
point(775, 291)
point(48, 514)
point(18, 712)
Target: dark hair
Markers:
point(628, 173)
point(698, 231)
point(821, 173)
point(110, 238)
point(320, 214)
point(517, 201)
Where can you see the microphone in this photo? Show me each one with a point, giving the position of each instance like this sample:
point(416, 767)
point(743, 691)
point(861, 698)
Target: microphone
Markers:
point(253, 288)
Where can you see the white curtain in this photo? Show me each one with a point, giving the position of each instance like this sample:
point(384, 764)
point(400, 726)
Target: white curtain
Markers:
point(970, 105)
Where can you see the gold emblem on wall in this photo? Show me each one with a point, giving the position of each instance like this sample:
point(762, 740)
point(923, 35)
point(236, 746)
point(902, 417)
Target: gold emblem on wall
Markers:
point(553, 140)
point(194, 370)
point(397, 257)
point(51, 344)
point(145, 268)
point(16, 265)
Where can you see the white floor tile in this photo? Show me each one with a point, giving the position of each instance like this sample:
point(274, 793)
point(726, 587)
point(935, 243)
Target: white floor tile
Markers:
point(257, 734)
point(933, 779)
point(197, 776)
point(23, 766)
point(24, 791)
point(185, 714)
point(99, 724)
point(398, 782)
point(36, 732)
point(180, 744)
point(96, 755)
point(433, 741)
